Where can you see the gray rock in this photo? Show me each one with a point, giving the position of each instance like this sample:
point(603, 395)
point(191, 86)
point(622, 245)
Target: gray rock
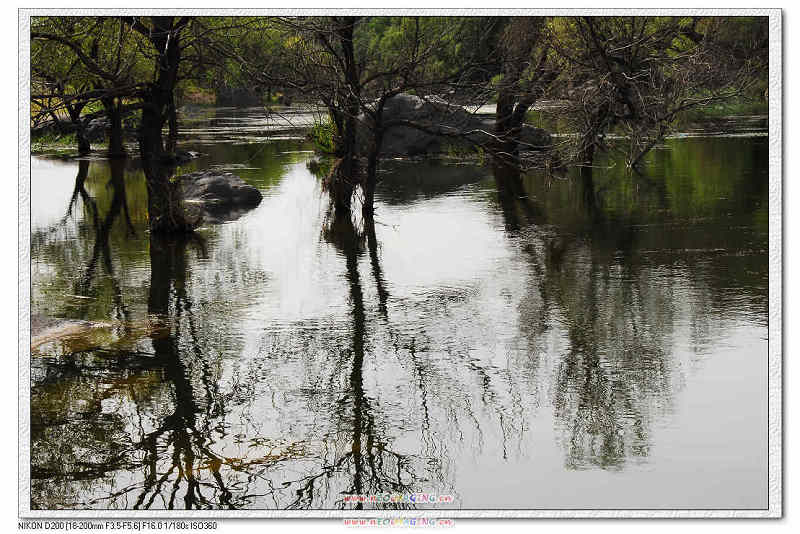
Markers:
point(221, 196)
point(440, 120)
point(533, 138)
point(96, 130)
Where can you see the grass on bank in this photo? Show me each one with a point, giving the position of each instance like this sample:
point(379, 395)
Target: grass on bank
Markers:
point(53, 142)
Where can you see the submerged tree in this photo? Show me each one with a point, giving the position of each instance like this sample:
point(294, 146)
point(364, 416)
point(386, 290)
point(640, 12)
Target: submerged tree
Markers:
point(355, 66)
point(166, 43)
point(630, 77)
point(635, 75)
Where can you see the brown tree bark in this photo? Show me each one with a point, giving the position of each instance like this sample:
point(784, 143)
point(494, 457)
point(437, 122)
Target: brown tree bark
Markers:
point(166, 210)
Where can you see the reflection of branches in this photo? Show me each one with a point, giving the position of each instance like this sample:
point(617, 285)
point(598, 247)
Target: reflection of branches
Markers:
point(168, 276)
point(374, 467)
point(103, 231)
point(80, 190)
point(611, 371)
point(374, 260)
point(453, 402)
point(595, 417)
point(182, 436)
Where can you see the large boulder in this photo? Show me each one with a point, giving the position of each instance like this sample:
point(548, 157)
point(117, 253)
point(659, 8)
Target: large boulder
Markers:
point(98, 128)
point(220, 196)
point(443, 126)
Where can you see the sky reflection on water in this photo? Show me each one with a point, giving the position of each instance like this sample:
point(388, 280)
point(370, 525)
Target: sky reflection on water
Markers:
point(516, 342)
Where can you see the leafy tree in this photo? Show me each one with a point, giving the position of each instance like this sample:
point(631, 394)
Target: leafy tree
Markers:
point(629, 76)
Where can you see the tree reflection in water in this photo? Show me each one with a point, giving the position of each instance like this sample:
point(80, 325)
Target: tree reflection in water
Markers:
point(366, 458)
point(162, 444)
point(101, 248)
point(168, 437)
point(612, 378)
point(391, 394)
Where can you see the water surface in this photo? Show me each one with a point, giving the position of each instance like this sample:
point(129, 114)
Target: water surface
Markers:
point(597, 340)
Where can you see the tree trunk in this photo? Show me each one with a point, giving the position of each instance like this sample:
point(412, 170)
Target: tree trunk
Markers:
point(343, 180)
point(371, 178)
point(151, 145)
point(84, 146)
point(116, 147)
point(586, 155)
point(167, 213)
point(172, 121)
point(506, 148)
point(600, 121)
point(158, 105)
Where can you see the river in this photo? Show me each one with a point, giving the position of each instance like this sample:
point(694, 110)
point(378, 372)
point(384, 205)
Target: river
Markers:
point(594, 340)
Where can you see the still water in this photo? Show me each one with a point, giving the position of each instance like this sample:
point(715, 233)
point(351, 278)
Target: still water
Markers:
point(588, 341)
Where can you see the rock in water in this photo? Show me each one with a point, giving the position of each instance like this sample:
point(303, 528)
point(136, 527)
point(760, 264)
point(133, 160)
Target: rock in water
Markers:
point(439, 121)
point(52, 336)
point(221, 196)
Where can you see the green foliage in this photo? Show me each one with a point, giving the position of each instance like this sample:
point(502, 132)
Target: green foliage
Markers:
point(464, 152)
point(724, 109)
point(102, 51)
point(323, 135)
point(320, 167)
point(396, 49)
point(190, 93)
point(236, 51)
